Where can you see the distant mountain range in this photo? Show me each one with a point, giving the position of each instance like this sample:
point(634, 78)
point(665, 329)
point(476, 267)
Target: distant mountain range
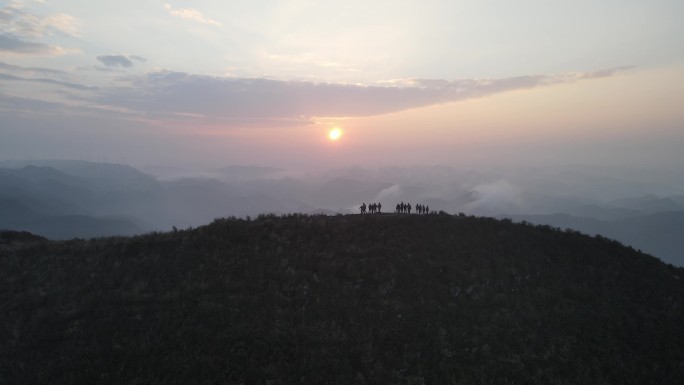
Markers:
point(48, 201)
point(62, 199)
point(65, 199)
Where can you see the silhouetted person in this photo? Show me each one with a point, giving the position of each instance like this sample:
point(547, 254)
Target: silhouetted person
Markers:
point(363, 208)
point(379, 207)
point(408, 207)
point(427, 209)
point(398, 209)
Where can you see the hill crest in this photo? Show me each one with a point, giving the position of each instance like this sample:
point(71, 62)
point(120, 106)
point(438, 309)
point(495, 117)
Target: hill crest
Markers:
point(388, 298)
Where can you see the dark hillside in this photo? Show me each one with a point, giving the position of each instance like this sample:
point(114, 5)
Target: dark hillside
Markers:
point(19, 237)
point(374, 299)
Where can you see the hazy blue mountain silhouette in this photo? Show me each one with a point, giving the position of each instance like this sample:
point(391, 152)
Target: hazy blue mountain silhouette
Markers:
point(660, 234)
point(55, 204)
point(603, 213)
point(649, 204)
point(242, 173)
point(106, 176)
point(45, 189)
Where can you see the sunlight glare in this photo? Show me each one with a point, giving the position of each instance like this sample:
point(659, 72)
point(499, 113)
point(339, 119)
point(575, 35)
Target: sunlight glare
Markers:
point(335, 134)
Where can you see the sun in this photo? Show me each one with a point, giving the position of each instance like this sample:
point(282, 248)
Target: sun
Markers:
point(335, 134)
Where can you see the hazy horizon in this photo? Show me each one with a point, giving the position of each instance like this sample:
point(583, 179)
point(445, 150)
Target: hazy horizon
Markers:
point(62, 199)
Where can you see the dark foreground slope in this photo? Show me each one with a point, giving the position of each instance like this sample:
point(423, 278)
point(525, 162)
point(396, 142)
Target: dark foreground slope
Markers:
point(340, 300)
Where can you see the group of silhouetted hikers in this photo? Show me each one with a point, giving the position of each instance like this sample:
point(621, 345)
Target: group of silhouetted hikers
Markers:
point(422, 209)
point(402, 208)
point(372, 208)
point(405, 208)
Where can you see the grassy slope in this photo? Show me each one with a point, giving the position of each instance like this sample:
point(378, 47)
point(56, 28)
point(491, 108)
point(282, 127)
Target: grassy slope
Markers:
point(340, 300)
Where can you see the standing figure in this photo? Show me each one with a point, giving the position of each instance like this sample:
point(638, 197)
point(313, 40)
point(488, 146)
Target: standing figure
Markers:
point(379, 207)
point(408, 207)
point(363, 208)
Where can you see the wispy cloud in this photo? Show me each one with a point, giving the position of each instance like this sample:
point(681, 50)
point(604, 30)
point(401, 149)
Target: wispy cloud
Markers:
point(30, 70)
point(190, 14)
point(74, 86)
point(14, 103)
point(310, 59)
point(119, 60)
point(606, 72)
point(12, 44)
point(170, 93)
point(391, 192)
point(20, 22)
point(500, 196)
point(63, 79)
point(234, 102)
point(21, 31)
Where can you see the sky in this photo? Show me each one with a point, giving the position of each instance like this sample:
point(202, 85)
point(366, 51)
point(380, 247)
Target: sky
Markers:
point(211, 83)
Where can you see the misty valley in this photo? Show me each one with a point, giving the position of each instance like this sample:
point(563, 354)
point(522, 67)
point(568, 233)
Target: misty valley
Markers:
point(62, 199)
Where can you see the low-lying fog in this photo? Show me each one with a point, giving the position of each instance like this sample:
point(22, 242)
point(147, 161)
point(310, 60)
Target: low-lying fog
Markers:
point(643, 208)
